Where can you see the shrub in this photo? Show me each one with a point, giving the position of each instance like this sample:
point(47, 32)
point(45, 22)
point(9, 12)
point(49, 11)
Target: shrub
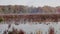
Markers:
point(1, 20)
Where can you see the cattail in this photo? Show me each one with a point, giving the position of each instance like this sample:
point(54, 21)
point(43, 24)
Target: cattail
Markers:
point(21, 32)
point(51, 31)
point(39, 32)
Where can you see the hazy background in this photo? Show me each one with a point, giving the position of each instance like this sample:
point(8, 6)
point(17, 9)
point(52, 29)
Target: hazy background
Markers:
point(31, 2)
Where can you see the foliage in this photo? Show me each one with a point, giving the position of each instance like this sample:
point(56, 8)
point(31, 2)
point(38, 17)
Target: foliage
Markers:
point(1, 20)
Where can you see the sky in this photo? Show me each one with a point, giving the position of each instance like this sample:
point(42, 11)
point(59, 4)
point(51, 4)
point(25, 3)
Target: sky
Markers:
point(35, 3)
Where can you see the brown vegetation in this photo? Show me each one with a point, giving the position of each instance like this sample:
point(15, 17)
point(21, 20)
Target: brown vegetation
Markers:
point(15, 31)
point(31, 18)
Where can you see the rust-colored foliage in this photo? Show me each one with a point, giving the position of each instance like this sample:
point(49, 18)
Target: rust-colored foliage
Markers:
point(51, 31)
point(21, 32)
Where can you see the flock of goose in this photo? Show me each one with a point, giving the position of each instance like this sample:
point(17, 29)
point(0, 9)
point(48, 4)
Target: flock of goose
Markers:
point(51, 28)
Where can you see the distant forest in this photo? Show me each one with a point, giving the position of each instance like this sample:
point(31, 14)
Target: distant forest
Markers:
point(18, 9)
